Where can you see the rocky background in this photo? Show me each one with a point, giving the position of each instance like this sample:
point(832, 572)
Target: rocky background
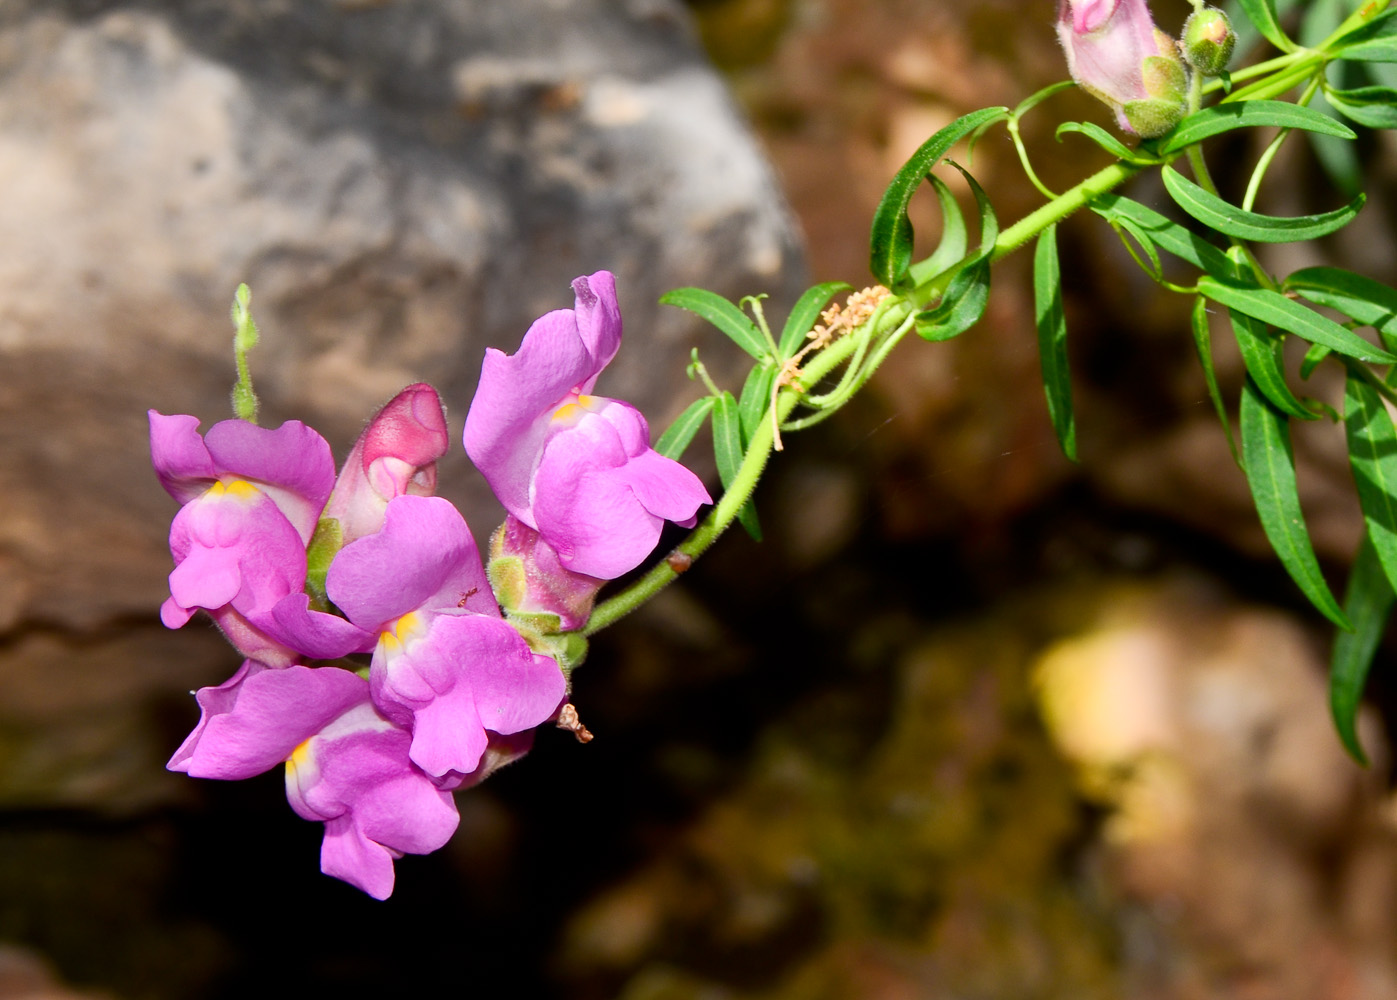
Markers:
point(971, 722)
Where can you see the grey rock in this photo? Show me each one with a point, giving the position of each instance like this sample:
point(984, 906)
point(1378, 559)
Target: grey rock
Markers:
point(401, 184)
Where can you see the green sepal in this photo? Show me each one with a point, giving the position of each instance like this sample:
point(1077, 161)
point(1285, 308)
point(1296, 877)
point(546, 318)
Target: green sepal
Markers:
point(1269, 464)
point(325, 543)
point(568, 649)
point(508, 581)
point(1153, 116)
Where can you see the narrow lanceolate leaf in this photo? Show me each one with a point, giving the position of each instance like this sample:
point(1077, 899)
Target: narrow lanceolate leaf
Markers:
point(1212, 211)
point(1106, 141)
point(1262, 13)
point(1246, 114)
point(1289, 315)
point(1375, 107)
point(1261, 352)
point(1168, 236)
point(1313, 358)
point(756, 397)
point(890, 241)
point(1203, 344)
point(962, 306)
point(678, 435)
point(804, 314)
point(722, 314)
point(1369, 302)
point(989, 222)
point(1052, 340)
point(1368, 600)
point(954, 236)
point(728, 453)
point(1269, 464)
point(1372, 448)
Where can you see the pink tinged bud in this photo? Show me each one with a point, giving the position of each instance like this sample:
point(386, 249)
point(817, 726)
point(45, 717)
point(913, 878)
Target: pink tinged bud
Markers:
point(576, 467)
point(395, 456)
point(1208, 40)
point(528, 579)
point(1116, 54)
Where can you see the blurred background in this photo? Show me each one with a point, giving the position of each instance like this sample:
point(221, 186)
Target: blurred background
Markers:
point(971, 722)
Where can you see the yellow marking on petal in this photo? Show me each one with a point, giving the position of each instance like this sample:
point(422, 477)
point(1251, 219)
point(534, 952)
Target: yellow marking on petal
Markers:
point(584, 401)
point(300, 755)
point(567, 413)
point(243, 490)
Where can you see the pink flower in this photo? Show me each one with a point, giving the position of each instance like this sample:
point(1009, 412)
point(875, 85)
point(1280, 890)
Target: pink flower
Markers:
point(346, 765)
point(445, 664)
point(1116, 54)
point(575, 467)
point(252, 498)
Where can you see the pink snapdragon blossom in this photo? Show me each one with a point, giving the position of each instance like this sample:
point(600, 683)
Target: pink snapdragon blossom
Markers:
point(575, 467)
point(346, 765)
point(396, 455)
point(252, 498)
point(445, 664)
point(1116, 54)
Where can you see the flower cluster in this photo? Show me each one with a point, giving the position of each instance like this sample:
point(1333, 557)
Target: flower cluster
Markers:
point(301, 568)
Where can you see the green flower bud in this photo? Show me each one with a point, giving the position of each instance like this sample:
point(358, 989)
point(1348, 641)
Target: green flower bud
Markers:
point(1208, 40)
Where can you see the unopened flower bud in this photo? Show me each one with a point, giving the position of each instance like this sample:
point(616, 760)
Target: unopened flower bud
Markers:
point(528, 580)
point(1208, 40)
point(1117, 55)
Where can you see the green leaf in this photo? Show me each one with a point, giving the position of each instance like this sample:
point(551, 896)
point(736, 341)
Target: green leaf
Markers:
point(1203, 344)
point(1313, 358)
point(1261, 353)
point(678, 435)
point(1269, 464)
point(1105, 140)
point(1368, 600)
point(728, 454)
point(1375, 107)
point(1262, 13)
point(1052, 340)
point(756, 397)
point(1035, 99)
point(722, 314)
point(1168, 236)
point(804, 314)
point(1212, 211)
point(989, 222)
point(890, 241)
point(1375, 41)
point(1369, 302)
point(1142, 239)
point(954, 237)
point(1287, 314)
point(1245, 114)
point(962, 305)
point(1372, 446)
point(1337, 156)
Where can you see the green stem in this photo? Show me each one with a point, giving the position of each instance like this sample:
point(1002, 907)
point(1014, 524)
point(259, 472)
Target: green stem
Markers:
point(1054, 211)
point(732, 501)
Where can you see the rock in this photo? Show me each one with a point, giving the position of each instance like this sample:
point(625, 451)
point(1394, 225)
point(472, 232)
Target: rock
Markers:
point(401, 184)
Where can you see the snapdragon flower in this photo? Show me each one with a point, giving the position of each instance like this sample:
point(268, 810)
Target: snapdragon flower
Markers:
point(347, 765)
point(576, 467)
point(1116, 54)
point(445, 664)
point(252, 497)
